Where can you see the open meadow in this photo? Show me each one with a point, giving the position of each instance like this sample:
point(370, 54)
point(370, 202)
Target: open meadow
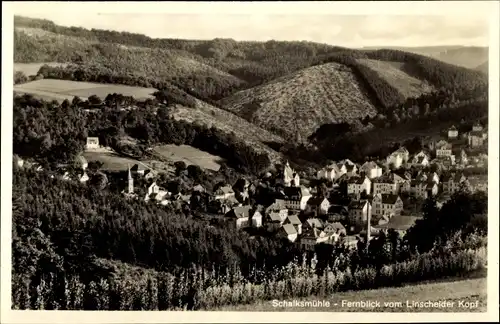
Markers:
point(458, 292)
point(33, 68)
point(188, 155)
point(111, 160)
point(63, 89)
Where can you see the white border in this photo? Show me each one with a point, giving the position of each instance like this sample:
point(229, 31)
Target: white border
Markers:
point(465, 8)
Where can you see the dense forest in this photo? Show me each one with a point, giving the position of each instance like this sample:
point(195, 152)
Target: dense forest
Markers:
point(53, 132)
point(212, 70)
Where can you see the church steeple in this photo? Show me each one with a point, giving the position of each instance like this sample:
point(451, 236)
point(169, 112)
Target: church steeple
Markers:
point(130, 181)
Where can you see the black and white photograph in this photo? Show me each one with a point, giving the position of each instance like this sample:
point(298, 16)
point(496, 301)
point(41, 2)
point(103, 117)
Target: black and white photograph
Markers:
point(249, 161)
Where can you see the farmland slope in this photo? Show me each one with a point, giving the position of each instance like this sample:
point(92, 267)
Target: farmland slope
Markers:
point(407, 85)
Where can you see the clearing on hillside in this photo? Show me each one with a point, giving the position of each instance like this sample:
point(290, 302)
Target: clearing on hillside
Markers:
point(63, 89)
point(33, 68)
point(299, 103)
point(189, 155)
point(391, 72)
point(205, 114)
point(391, 299)
point(111, 160)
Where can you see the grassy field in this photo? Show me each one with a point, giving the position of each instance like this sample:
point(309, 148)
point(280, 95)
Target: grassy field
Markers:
point(62, 89)
point(393, 299)
point(206, 114)
point(407, 85)
point(111, 160)
point(189, 155)
point(32, 68)
point(303, 101)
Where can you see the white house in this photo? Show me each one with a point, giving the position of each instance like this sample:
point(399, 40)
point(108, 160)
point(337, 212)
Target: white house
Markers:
point(452, 132)
point(477, 127)
point(398, 157)
point(277, 208)
point(240, 216)
point(256, 219)
point(331, 172)
point(424, 189)
point(476, 138)
point(295, 198)
point(451, 182)
point(421, 159)
point(443, 149)
point(92, 143)
point(358, 186)
point(295, 221)
point(83, 177)
point(388, 184)
point(224, 192)
point(371, 170)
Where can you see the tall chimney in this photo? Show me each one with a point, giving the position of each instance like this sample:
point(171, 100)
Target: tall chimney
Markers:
point(368, 224)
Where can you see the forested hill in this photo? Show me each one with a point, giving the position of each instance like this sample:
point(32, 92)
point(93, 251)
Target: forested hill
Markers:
point(225, 72)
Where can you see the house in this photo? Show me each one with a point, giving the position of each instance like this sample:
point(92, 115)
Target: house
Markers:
point(287, 231)
point(295, 198)
point(312, 236)
point(342, 170)
point(452, 132)
point(331, 172)
point(351, 169)
point(224, 192)
point(199, 188)
point(92, 143)
point(295, 221)
point(477, 127)
point(463, 159)
point(356, 186)
point(398, 157)
point(66, 176)
point(290, 177)
point(318, 205)
point(359, 212)
point(424, 189)
point(83, 177)
point(387, 205)
point(389, 183)
point(451, 183)
point(371, 170)
point(476, 138)
point(427, 176)
point(313, 223)
point(421, 159)
point(337, 213)
point(239, 216)
point(335, 230)
point(256, 219)
point(400, 224)
point(138, 169)
point(278, 208)
point(443, 149)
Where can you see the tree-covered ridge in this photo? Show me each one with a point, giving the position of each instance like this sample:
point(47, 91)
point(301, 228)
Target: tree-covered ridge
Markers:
point(235, 65)
point(56, 132)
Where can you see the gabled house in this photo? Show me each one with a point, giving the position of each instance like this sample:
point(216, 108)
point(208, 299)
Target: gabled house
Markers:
point(371, 169)
point(387, 205)
point(331, 172)
point(224, 192)
point(240, 216)
point(443, 149)
point(359, 212)
point(389, 183)
point(477, 127)
point(287, 231)
point(453, 132)
point(463, 159)
point(278, 208)
point(398, 157)
point(424, 189)
point(256, 219)
point(312, 236)
point(199, 188)
point(92, 143)
point(295, 198)
point(352, 170)
point(334, 231)
point(138, 169)
point(337, 213)
point(313, 223)
point(356, 186)
point(428, 176)
point(295, 221)
point(421, 159)
point(476, 138)
point(318, 205)
point(451, 182)
point(83, 177)
point(225, 205)
point(400, 224)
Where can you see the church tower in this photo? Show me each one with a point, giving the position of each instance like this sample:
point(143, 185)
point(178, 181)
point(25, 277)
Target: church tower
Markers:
point(130, 181)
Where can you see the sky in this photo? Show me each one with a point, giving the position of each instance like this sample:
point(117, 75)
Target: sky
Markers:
point(469, 29)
